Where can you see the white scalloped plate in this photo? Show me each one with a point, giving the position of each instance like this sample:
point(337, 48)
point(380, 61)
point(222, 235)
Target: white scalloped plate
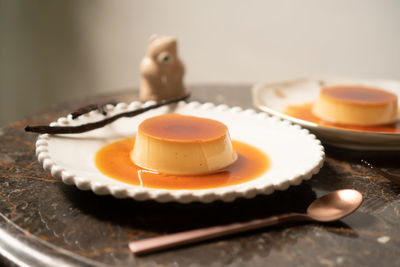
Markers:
point(295, 154)
point(273, 98)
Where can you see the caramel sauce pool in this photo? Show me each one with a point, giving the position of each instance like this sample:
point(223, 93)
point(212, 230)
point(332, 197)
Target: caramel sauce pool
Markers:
point(114, 161)
point(304, 112)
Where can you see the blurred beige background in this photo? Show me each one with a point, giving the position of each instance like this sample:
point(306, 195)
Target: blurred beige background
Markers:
point(54, 50)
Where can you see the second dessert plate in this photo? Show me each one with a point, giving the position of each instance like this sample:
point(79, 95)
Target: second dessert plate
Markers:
point(273, 98)
point(295, 154)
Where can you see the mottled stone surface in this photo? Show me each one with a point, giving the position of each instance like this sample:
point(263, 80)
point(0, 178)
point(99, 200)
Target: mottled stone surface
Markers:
point(45, 222)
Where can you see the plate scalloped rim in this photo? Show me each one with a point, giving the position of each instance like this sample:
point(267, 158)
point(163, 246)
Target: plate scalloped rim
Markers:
point(121, 190)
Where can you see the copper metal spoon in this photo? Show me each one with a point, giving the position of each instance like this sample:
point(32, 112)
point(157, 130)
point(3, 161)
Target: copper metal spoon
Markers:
point(330, 207)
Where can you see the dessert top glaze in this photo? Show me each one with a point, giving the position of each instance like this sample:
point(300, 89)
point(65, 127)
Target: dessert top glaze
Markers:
point(181, 128)
point(358, 95)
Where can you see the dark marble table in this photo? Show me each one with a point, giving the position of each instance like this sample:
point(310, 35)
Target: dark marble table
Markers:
point(44, 222)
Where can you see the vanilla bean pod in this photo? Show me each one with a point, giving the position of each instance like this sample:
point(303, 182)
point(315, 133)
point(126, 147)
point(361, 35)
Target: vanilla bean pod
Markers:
point(83, 110)
point(95, 125)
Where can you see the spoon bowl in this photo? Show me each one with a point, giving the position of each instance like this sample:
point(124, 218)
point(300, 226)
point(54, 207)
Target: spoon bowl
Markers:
point(334, 205)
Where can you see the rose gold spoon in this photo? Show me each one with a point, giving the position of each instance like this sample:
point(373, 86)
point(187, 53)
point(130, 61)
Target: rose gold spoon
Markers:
point(330, 207)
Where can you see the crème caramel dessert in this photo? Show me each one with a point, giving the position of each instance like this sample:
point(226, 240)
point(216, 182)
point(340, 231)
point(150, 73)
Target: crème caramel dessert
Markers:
point(356, 105)
point(182, 145)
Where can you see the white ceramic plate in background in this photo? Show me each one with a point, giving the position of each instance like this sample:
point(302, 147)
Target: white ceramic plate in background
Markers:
point(273, 98)
point(295, 154)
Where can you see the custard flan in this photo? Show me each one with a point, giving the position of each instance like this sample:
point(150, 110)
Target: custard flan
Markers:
point(182, 145)
point(356, 105)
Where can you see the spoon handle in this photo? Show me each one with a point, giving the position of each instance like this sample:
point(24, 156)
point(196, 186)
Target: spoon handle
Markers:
point(172, 240)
